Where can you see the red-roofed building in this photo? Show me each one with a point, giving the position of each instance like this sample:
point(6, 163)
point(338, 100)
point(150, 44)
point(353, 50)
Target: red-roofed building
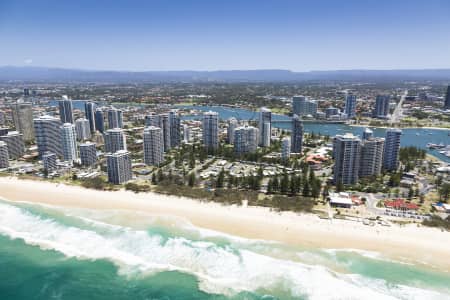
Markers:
point(400, 204)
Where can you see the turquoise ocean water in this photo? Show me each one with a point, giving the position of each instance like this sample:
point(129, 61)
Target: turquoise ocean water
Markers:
point(56, 253)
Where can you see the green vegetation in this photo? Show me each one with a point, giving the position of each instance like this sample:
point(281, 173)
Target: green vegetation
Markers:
point(137, 188)
point(96, 183)
point(444, 191)
point(436, 221)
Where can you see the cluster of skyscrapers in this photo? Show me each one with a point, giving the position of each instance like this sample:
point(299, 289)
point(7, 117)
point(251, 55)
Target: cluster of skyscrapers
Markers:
point(302, 106)
point(57, 138)
point(356, 158)
point(246, 139)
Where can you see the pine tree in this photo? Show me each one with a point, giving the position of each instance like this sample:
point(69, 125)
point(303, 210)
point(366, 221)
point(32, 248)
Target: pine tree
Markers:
point(276, 184)
point(315, 190)
point(293, 185)
point(220, 179)
point(160, 175)
point(230, 181)
point(270, 186)
point(191, 181)
point(284, 184)
point(306, 188)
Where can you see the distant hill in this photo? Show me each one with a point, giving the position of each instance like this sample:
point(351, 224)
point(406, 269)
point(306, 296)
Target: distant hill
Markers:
point(39, 74)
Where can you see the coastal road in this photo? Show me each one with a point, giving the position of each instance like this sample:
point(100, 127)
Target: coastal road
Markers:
point(398, 111)
point(371, 204)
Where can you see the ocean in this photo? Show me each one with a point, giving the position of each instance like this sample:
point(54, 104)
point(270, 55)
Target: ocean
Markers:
point(49, 252)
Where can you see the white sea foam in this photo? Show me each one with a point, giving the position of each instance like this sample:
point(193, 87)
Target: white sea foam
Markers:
point(364, 253)
point(225, 269)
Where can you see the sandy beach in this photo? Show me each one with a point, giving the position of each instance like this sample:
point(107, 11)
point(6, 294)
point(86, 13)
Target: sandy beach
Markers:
point(410, 243)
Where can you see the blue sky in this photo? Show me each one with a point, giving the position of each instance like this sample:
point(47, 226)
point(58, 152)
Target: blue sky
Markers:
point(227, 34)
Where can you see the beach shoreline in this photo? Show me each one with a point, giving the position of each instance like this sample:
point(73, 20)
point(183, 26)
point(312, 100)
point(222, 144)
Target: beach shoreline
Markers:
point(420, 245)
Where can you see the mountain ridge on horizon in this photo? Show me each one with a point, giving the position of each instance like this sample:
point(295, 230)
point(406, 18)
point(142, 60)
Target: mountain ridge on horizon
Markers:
point(54, 74)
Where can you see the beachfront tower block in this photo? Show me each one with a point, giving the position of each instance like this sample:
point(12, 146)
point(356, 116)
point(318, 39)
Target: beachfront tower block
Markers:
point(296, 134)
point(115, 140)
point(16, 146)
point(119, 167)
point(49, 161)
point(4, 157)
point(347, 153)
point(245, 139)
point(371, 161)
point(391, 149)
point(88, 154)
point(210, 127)
point(22, 115)
point(153, 146)
point(48, 135)
point(69, 142)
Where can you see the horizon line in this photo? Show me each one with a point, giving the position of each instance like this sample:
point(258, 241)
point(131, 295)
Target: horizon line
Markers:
point(222, 70)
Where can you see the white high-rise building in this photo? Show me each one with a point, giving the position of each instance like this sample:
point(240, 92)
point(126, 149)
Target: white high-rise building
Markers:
point(83, 129)
point(69, 142)
point(88, 154)
point(48, 135)
point(210, 130)
point(65, 110)
point(265, 127)
point(4, 157)
point(232, 125)
point(302, 106)
point(115, 140)
point(186, 133)
point(245, 139)
point(119, 167)
point(347, 154)
point(16, 146)
point(49, 161)
point(22, 115)
point(371, 161)
point(391, 149)
point(153, 146)
point(285, 148)
point(115, 118)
